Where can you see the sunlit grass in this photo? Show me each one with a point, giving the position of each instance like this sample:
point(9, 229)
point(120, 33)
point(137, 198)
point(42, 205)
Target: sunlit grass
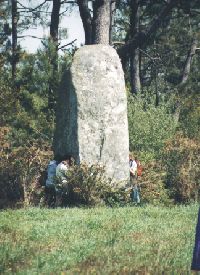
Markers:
point(129, 240)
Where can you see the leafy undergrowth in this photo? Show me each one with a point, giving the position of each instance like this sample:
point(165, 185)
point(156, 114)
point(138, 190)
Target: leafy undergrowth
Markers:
point(128, 240)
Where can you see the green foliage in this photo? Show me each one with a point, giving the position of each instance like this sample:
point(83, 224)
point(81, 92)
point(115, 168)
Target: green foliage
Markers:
point(10, 189)
point(20, 170)
point(153, 189)
point(130, 240)
point(190, 115)
point(149, 126)
point(182, 160)
point(8, 102)
point(25, 108)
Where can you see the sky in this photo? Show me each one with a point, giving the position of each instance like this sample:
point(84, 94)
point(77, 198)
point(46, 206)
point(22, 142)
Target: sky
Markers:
point(71, 21)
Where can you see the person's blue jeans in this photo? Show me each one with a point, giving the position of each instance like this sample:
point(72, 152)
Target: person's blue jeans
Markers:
point(136, 194)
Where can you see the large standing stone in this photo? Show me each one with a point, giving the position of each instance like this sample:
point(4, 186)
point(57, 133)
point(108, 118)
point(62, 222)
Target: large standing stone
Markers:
point(92, 112)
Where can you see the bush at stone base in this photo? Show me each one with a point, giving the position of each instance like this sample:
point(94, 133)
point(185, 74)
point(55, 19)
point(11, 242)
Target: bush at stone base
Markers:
point(182, 161)
point(87, 185)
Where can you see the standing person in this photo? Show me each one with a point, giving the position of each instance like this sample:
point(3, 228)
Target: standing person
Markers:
point(133, 167)
point(133, 179)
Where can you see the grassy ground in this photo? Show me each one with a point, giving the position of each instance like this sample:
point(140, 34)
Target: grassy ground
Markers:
point(129, 240)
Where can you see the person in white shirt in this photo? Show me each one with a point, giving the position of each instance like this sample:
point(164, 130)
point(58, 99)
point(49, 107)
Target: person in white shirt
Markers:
point(133, 179)
point(62, 188)
point(61, 170)
point(133, 166)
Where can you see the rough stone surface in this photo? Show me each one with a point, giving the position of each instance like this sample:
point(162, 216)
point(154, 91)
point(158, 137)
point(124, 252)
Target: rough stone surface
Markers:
point(92, 112)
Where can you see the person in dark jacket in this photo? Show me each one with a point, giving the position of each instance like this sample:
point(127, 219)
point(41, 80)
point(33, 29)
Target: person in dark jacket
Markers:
point(196, 252)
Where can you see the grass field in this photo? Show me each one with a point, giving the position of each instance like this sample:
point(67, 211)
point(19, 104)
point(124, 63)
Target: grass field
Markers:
point(129, 240)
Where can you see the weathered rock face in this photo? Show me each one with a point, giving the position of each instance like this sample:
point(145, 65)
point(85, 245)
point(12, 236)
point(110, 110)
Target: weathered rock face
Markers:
point(92, 112)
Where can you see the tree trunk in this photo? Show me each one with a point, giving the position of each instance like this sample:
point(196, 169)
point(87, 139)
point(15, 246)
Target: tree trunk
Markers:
point(135, 71)
point(135, 52)
point(187, 67)
point(112, 11)
point(54, 25)
point(97, 28)
point(14, 38)
point(101, 21)
point(55, 21)
point(86, 19)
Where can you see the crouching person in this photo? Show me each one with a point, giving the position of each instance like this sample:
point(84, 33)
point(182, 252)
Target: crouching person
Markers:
point(62, 188)
point(50, 190)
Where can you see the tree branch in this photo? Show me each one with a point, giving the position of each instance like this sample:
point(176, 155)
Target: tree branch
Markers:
point(28, 11)
point(32, 36)
point(67, 2)
point(34, 9)
point(63, 12)
point(60, 48)
point(150, 57)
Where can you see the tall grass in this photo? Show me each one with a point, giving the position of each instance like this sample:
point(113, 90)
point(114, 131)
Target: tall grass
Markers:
point(129, 240)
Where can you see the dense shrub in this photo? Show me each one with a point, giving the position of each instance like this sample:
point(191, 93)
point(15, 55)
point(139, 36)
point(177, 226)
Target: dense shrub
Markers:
point(190, 116)
point(152, 183)
point(20, 170)
point(8, 100)
point(87, 185)
point(182, 161)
